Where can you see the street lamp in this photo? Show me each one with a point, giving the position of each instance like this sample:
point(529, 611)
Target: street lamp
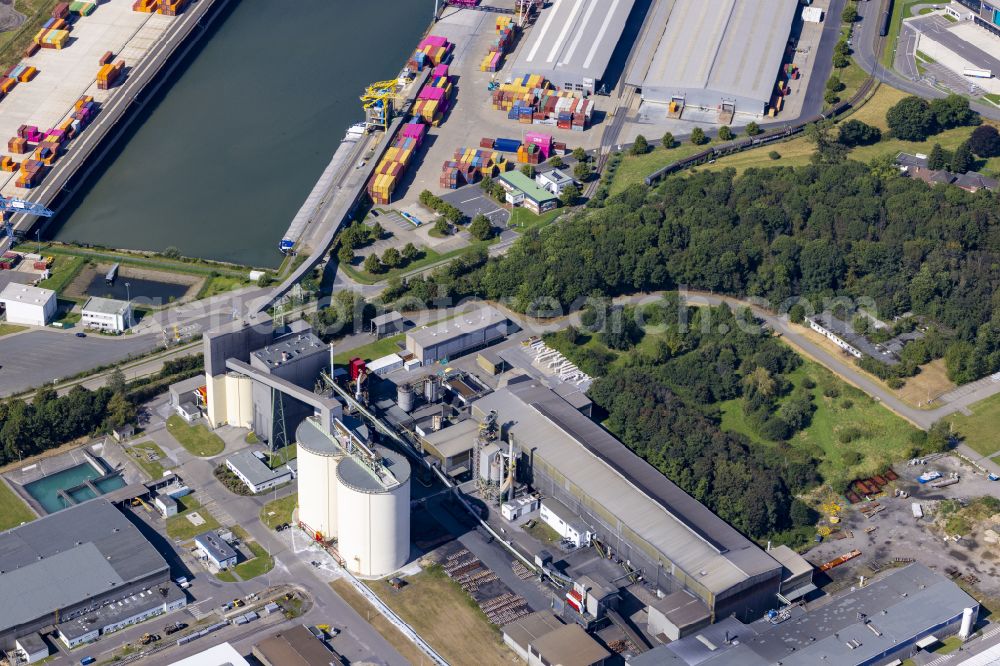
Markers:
point(128, 295)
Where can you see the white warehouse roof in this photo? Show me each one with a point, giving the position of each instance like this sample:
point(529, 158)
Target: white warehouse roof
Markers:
point(573, 40)
point(728, 49)
point(23, 293)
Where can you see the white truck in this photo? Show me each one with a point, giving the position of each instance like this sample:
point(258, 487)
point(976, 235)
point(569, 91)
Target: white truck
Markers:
point(918, 511)
point(977, 73)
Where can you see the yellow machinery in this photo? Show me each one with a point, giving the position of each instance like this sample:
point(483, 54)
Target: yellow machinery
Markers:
point(379, 101)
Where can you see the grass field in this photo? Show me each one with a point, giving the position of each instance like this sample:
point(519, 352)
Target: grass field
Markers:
point(139, 453)
point(258, 566)
point(226, 576)
point(64, 270)
point(220, 284)
point(523, 219)
point(466, 638)
point(542, 532)
point(13, 510)
point(634, 168)
point(881, 437)
point(7, 329)
point(372, 350)
point(389, 632)
point(283, 455)
point(279, 511)
point(197, 439)
point(182, 529)
point(150, 260)
point(926, 386)
point(979, 431)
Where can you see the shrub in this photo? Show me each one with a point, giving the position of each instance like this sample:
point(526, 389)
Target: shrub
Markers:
point(856, 133)
point(831, 391)
point(846, 403)
point(753, 129)
point(667, 141)
point(640, 146)
point(911, 119)
point(725, 134)
point(698, 137)
point(851, 458)
point(774, 155)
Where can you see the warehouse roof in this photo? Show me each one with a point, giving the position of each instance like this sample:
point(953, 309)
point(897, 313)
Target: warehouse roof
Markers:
point(569, 645)
point(25, 293)
point(530, 627)
point(454, 439)
point(683, 609)
point(295, 647)
point(223, 654)
point(857, 627)
point(469, 322)
point(573, 39)
point(107, 306)
point(700, 543)
point(730, 48)
point(68, 557)
point(253, 468)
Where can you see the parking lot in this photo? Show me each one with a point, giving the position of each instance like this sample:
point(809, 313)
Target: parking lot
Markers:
point(472, 201)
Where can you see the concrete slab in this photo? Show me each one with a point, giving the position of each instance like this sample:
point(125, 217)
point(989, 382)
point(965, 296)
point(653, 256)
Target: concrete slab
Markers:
point(64, 75)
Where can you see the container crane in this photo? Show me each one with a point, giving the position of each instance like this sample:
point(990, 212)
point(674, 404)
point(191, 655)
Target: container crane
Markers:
point(379, 101)
point(12, 205)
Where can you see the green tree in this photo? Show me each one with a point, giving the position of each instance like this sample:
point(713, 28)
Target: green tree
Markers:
point(831, 97)
point(580, 155)
point(569, 195)
point(725, 134)
point(345, 254)
point(556, 162)
point(698, 137)
point(391, 257)
point(480, 228)
point(528, 170)
point(116, 381)
point(640, 146)
point(834, 84)
point(667, 141)
point(953, 111)
point(410, 252)
point(172, 253)
point(442, 226)
point(850, 13)
point(581, 171)
point(962, 161)
point(753, 129)
point(264, 280)
point(372, 264)
point(376, 231)
point(120, 411)
point(985, 141)
point(911, 119)
point(936, 160)
point(856, 133)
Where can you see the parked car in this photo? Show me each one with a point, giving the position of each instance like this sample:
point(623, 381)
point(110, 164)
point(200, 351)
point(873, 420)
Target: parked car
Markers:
point(81, 334)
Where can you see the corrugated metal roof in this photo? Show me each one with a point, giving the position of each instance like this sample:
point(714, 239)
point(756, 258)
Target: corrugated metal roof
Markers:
point(456, 327)
point(681, 528)
point(729, 48)
point(573, 40)
point(68, 557)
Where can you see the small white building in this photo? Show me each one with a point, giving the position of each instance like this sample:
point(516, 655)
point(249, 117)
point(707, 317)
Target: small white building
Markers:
point(32, 306)
point(825, 329)
point(383, 366)
point(554, 181)
point(252, 471)
point(812, 14)
point(569, 526)
point(215, 548)
point(31, 648)
point(521, 506)
point(106, 314)
point(166, 504)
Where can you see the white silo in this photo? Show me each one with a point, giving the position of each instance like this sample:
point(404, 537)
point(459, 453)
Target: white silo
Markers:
point(239, 400)
point(373, 513)
point(318, 455)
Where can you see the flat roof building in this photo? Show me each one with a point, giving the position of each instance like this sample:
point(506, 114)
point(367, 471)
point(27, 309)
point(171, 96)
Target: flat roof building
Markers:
point(295, 647)
point(72, 561)
point(568, 645)
point(572, 42)
point(256, 475)
point(106, 314)
point(31, 306)
point(728, 51)
point(215, 548)
point(631, 506)
point(220, 655)
point(522, 632)
point(889, 619)
point(463, 333)
point(452, 446)
point(523, 191)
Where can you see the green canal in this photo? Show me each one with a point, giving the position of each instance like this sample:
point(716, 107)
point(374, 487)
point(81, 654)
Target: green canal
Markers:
point(223, 161)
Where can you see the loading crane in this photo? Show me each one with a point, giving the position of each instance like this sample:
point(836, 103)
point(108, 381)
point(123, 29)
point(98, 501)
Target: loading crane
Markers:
point(379, 101)
point(13, 205)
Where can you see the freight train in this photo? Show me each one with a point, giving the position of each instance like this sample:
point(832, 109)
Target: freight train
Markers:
point(779, 134)
point(885, 20)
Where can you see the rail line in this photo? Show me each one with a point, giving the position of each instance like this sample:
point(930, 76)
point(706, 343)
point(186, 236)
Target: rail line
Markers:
point(777, 134)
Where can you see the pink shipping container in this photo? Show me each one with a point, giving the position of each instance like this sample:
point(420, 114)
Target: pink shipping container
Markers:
point(434, 40)
point(440, 70)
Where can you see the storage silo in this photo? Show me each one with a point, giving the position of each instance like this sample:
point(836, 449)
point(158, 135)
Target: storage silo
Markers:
point(404, 397)
point(239, 400)
point(373, 513)
point(432, 390)
point(490, 464)
point(318, 455)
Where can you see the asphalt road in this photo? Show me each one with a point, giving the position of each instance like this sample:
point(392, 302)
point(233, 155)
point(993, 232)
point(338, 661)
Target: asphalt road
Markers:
point(937, 28)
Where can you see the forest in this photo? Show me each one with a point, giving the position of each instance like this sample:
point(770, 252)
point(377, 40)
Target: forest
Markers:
point(788, 235)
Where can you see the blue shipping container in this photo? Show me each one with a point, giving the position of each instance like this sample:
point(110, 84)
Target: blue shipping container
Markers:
point(506, 145)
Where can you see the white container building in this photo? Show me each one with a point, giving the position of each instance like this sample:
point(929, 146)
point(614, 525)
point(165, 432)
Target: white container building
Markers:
point(31, 306)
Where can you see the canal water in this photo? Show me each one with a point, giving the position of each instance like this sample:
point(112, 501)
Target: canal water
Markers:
point(222, 163)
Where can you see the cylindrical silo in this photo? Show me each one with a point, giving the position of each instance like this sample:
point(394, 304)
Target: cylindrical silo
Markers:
point(318, 455)
point(431, 390)
point(239, 400)
point(373, 513)
point(405, 397)
point(488, 459)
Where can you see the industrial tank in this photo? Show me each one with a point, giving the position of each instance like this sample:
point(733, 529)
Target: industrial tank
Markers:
point(373, 513)
point(405, 397)
point(318, 455)
point(432, 390)
point(239, 400)
point(490, 464)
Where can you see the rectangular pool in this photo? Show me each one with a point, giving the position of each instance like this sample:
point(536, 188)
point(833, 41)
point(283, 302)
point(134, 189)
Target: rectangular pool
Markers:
point(72, 480)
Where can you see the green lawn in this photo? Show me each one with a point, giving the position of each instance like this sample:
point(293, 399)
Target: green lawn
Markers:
point(258, 566)
point(182, 529)
point(197, 439)
point(882, 437)
point(13, 510)
point(371, 351)
point(523, 219)
point(996, 460)
point(151, 260)
point(13, 43)
point(993, 98)
point(7, 329)
point(279, 511)
point(283, 455)
point(980, 430)
point(542, 532)
point(64, 270)
point(140, 454)
point(634, 168)
point(220, 284)
point(226, 576)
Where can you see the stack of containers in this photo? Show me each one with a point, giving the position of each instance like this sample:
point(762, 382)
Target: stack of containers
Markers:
point(145, 6)
point(505, 27)
point(543, 141)
point(17, 145)
point(171, 7)
point(31, 50)
point(471, 163)
point(530, 99)
point(30, 174)
point(53, 35)
point(529, 153)
point(108, 75)
point(22, 72)
point(393, 164)
point(9, 165)
point(434, 98)
point(7, 84)
point(83, 112)
point(29, 133)
point(61, 10)
point(9, 260)
point(433, 50)
point(83, 7)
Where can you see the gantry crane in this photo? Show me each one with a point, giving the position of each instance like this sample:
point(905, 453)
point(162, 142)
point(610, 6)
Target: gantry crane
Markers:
point(380, 100)
point(12, 205)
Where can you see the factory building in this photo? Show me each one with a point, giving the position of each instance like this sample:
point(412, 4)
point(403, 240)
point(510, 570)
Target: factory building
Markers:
point(264, 380)
point(70, 564)
point(884, 622)
point(106, 314)
point(254, 473)
point(355, 492)
point(572, 42)
point(630, 506)
point(986, 14)
point(460, 335)
point(215, 549)
point(724, 55)
point(31, 306)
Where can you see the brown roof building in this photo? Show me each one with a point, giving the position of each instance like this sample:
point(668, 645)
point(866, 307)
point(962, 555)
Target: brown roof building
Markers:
point(295, 647)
